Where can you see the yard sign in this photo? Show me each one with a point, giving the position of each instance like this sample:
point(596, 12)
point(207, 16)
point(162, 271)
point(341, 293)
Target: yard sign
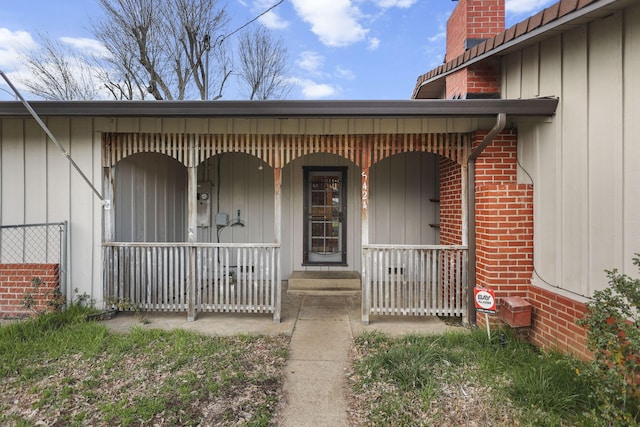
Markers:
point(485, 303)
point(485, 300)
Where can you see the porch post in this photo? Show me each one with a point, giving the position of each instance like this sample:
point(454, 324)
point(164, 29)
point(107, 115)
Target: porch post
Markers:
point(107, 216)
point(277, 231)
point(192, 224)
point(366, 296)
point(108, 229)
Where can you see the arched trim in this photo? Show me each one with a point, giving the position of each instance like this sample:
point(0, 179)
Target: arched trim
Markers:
point(278, 150)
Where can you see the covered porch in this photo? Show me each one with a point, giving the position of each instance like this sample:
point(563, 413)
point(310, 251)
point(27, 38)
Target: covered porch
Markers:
point(191, 272)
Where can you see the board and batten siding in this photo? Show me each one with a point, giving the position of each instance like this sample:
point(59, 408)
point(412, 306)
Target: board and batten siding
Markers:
point(150, 199)
point(38, 185)
point(403, 207)
point(246, 185)
point(583, 162)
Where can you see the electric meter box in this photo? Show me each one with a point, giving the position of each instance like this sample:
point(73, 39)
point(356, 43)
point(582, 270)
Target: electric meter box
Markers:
point(204, 204)
point(222, 219)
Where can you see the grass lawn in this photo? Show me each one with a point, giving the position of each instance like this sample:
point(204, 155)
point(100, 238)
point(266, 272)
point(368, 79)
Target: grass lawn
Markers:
point(462, 379)
point(61, 370)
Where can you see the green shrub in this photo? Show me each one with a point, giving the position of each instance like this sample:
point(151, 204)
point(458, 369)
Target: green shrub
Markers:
point(613, 336)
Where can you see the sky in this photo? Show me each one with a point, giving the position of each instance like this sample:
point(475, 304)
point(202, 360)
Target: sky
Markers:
point(338, 49)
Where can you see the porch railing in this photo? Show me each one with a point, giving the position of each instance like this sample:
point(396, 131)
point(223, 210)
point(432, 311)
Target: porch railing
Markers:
point(414, 280)
point(199, 277)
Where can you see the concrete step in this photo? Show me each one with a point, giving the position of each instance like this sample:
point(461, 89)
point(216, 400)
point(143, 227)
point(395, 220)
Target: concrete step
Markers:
point(324, 282)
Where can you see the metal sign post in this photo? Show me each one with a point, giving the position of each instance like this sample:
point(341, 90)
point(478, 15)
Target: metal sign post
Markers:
point(485, 299)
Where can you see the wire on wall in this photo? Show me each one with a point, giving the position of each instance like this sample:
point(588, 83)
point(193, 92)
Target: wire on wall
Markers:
point(535, 270)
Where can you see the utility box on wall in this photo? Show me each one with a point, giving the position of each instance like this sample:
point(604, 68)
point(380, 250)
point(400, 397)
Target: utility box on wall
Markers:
point(204, 204)
point(515, 312)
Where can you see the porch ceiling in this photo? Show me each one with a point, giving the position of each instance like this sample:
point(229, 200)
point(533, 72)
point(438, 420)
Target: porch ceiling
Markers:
point(537, 107)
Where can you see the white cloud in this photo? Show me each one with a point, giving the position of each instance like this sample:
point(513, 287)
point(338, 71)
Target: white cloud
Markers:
point(86, 45)
point(271, 19)
point(12, 43)
point(344, 73)
point(442, 29)
point(311, 62)
point(526, 6)
point(335, 22)
point(313, 90)
point(386, 4)
point(437, 37)
point(374, 42)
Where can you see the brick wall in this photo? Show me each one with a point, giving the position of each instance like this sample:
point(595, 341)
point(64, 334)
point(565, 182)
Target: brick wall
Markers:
point(504, 219)
point(476, 81)
point(17, 279)
point(504, 249)
point(456, 84)
point(483, 78)
point(450, 202)
point(473, 19)
point(554, 323)
point(504, 238)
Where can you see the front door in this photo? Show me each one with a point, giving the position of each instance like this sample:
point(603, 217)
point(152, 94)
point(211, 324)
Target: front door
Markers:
point(325, 216)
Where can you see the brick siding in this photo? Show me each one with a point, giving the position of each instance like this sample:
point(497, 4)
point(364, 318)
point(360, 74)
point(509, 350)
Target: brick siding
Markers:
point(504, 219)
point(504, 249)
point(450, 202)
point(554, 323)
point(473, 19)
point(16, 280)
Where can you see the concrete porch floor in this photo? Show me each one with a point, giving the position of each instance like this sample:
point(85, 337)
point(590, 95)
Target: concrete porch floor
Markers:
point(262, 324)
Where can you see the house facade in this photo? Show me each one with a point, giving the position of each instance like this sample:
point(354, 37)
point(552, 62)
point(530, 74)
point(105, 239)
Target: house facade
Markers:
point(512, 168)
point(208, 206)
point(578, 170)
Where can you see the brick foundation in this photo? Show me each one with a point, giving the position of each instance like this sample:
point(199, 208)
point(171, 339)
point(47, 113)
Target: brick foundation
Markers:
point(554, 323)
point(17, 279)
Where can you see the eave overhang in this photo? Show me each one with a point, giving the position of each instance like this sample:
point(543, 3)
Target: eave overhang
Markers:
point(560, 17)
point(537, 107)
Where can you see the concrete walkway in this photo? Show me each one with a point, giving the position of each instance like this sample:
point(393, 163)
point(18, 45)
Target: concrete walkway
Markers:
point(322, 329)
point(314, 384)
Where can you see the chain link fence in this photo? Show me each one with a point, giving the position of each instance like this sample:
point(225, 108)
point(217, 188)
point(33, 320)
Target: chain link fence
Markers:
point(36, 244)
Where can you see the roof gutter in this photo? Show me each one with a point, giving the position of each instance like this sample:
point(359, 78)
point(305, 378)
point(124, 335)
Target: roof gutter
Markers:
point(287, 108)
point(523, 38)
point(498, 127)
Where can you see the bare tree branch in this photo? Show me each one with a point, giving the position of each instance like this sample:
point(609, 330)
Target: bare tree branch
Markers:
point(161, 49)
point(263, 64)
point(162, 44)
point(56, 74)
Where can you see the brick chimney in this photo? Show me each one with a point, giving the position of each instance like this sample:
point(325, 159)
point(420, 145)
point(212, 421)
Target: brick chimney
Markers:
point(472, 22)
